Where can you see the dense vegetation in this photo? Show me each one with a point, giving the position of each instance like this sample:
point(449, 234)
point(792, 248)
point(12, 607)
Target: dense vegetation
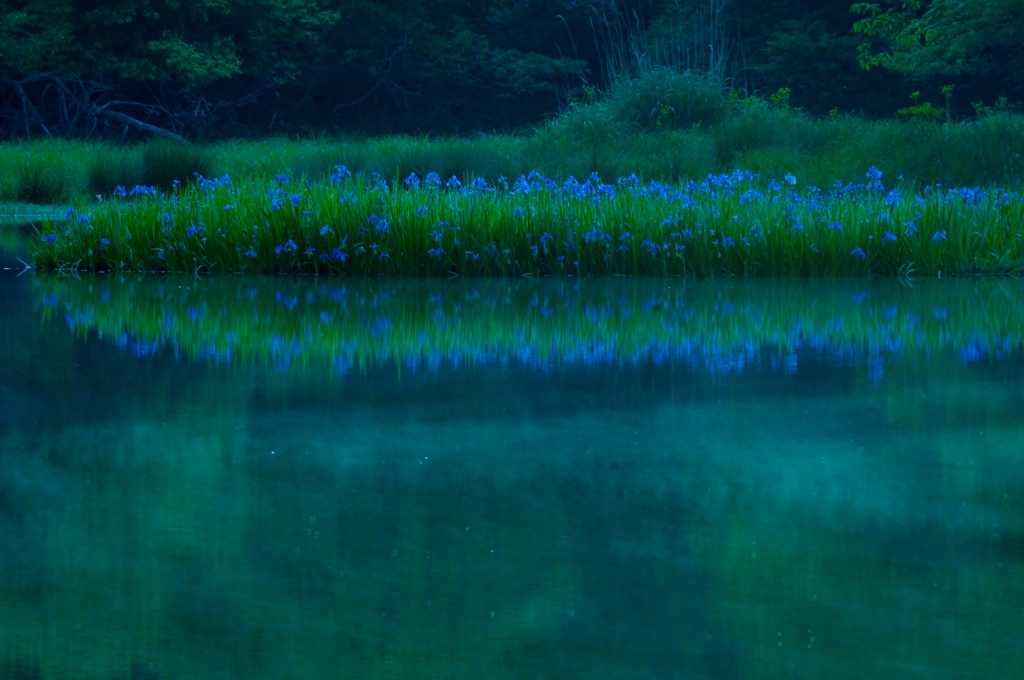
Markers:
point(696, 109)
point(236, 67)
point(535, 226)
point(661, 125)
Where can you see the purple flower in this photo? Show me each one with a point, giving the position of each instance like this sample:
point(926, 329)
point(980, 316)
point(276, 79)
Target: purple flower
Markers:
point(858, 252)
point(380, 224)
point(340, 173)
point(287, 247)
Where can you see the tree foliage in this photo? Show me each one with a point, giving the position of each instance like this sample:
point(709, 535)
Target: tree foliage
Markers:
point(944, 37)
point(191, 43)
point(223, 67)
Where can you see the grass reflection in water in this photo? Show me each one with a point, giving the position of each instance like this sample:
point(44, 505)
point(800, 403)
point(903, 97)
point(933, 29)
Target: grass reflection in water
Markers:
point(340, 324)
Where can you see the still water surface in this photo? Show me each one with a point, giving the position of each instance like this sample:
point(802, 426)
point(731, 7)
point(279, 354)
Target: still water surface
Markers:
point(278, 478)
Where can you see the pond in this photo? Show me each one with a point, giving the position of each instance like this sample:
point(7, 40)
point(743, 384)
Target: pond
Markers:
point(564, 478)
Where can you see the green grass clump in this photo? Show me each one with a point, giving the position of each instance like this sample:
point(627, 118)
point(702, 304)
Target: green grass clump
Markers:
point(534, 226)
point(661, 125)
point(167, 162)
point(111, 167)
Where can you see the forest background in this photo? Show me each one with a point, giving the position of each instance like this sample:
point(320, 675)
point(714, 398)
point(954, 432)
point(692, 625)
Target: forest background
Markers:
point(213, 69)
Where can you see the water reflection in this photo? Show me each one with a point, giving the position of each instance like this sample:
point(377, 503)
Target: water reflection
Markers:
point(718, 327)
point(590, 509)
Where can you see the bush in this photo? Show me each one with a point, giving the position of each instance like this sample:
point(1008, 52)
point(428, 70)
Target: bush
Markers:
point(664, 99)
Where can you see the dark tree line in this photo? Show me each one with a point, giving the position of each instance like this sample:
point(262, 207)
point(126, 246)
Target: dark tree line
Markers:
point(206, 68)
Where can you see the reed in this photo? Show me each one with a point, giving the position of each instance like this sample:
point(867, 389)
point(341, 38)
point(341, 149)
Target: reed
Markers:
point(535, 226)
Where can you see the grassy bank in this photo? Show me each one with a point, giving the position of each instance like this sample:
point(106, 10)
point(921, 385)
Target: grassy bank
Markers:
point(665, 126)
point(533, 225)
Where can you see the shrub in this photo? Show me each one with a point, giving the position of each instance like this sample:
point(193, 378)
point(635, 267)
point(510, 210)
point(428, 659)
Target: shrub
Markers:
point(664, 99)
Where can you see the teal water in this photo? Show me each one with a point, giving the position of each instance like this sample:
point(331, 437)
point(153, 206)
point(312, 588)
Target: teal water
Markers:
point(299, 478)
